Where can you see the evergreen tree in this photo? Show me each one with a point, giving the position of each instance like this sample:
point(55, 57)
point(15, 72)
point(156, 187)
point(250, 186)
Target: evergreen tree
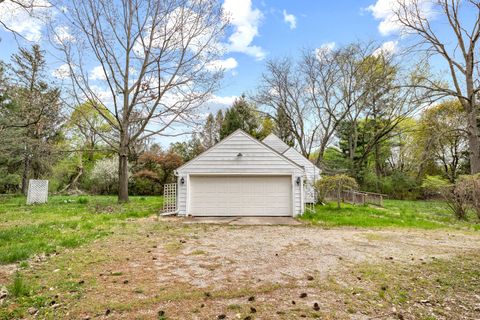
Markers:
point(240, 116)
point(283, 128)
point(218, 123)
point(35, 120)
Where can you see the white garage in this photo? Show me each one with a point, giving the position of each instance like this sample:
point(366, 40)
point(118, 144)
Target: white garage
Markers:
point(241, 195)
point(240, 176)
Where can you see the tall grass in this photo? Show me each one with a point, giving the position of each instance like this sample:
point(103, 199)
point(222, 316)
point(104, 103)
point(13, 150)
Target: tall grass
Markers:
point(19, 287)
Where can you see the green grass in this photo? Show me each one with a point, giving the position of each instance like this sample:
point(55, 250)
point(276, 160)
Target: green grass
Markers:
point(19, 288)
point(64, 222)
point(396, 213)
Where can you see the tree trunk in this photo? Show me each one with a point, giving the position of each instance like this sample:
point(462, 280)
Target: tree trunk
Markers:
point(473, 142)
point(378, 166)
point(26, 167)
point(72, 185)
point(123, 173)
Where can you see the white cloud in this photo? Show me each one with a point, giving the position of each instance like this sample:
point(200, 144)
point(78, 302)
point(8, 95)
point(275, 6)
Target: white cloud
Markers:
point(62, 35)
point(325, 48)
point(218, 102)
point(103, 95)
point(386, 48)
point(226, 64)
point(97, 73)
point(384, 10)
point(245, 21)
point(62, 72)
point(30, 23)
point(290, 19)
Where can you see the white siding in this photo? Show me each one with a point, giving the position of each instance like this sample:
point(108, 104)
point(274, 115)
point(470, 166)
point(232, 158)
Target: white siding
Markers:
point(222, 159)
point(275, 143)
point(312, 172)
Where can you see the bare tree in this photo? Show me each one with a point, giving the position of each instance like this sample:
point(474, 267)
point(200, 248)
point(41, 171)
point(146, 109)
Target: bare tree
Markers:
point(338, 80)
point(282, 91)
point(151, 62)
point(326, 87)
point(461, 57)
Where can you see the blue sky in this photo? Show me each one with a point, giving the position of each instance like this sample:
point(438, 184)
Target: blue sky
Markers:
point(261, 30)
point(317, 23)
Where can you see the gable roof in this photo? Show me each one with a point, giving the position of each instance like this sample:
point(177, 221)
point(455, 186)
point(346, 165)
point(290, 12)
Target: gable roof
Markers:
point(276, 143)
point(235, 133)
point(298, 154)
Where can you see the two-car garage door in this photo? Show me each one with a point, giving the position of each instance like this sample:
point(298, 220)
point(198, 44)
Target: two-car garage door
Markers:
point(241, 195)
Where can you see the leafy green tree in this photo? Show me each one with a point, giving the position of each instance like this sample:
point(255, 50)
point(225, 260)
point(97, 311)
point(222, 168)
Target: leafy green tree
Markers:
point(188, 149)
point(34, 119)
point(240, 116)
point(87, 127)
point(443, 135)
point(267, 127)
point(335, 184)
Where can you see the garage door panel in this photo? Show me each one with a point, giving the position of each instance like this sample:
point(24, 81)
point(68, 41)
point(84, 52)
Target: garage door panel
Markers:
point(240, 195)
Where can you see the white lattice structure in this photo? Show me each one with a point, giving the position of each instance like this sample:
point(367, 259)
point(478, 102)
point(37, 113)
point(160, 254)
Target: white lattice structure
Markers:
point(37, 191)
point(169, 198)
point(311, 199)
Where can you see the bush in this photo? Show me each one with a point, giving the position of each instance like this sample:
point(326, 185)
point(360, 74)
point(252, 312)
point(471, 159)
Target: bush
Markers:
point(334, 184)
point(144, 186)
point(82, 200)
point(457, 196)
point(9, 182)
point(398, 185)
point(433, 186)
point(468, 186)
point(104, 176)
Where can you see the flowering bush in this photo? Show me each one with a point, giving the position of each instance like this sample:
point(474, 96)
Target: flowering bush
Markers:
point(104, 176)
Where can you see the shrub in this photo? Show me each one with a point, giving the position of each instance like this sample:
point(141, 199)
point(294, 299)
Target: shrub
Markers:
point(335, 184)
point(140, 185)
point(9, 182)
point(468, 186)
point(398, 185)
point(433, 186)
point(82, 200)
point(455, 195)
point(104, 176)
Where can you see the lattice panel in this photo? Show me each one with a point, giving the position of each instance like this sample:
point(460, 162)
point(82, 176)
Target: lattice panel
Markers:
point(37, 191)
point(169, 198)
point(310, 194)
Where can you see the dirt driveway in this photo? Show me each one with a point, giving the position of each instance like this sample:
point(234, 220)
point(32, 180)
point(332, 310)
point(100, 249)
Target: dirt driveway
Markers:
point(254, 255)
point(169, 270)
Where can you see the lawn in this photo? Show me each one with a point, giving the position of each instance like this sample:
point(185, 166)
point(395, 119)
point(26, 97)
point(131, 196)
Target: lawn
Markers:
point(65, 222)
point(396, 213)
point(68, 222)
point(166, 269)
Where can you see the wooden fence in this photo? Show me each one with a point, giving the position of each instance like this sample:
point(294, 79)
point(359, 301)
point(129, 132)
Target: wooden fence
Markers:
point(358, 197)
